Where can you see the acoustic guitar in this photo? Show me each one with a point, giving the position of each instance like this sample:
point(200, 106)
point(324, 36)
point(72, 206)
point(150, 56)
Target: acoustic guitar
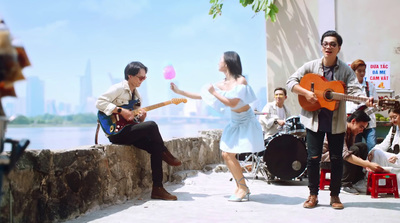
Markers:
point(329, 93)
point(114, 123)
point(369, 111)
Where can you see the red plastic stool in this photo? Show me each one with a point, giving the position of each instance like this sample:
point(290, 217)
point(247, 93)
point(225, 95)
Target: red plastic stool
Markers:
point(390, 187)
point(323, 181)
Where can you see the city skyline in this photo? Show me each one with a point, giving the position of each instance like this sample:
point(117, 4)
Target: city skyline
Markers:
point(35, 96)
point(60, 38)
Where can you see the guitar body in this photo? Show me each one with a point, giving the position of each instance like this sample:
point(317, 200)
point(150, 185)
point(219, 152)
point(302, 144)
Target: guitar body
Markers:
point(322, 89)
point(114, 123)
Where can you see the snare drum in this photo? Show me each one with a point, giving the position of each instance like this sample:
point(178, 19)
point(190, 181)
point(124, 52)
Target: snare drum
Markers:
point(285, 156)
point(294, 127)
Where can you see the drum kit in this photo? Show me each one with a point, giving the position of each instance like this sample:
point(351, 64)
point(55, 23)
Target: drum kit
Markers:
point(285, 154)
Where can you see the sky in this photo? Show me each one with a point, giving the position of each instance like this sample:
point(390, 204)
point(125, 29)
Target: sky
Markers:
point(60, 37)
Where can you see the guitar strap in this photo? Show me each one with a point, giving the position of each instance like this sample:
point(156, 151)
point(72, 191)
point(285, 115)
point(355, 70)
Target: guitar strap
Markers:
point(135, 102)
point(367, 90)
point(97, 133)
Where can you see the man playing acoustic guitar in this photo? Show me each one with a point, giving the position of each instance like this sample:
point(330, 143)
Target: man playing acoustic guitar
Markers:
point(322, 121)
point(143, 135)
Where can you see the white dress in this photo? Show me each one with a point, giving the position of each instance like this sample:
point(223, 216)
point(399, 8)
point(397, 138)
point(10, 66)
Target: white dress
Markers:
point(381, 155)
point(243, 134)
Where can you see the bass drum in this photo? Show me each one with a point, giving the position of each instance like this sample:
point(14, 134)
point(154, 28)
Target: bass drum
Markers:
point(285, 156)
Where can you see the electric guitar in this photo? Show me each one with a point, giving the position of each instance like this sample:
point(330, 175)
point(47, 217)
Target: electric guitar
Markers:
point(329, 93)
point(114, 123)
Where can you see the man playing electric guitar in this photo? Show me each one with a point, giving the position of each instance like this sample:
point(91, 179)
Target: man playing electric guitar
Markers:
point(323, 121)
point(144, 135)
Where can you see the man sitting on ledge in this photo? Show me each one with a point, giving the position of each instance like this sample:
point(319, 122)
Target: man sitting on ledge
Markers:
point(143, 135)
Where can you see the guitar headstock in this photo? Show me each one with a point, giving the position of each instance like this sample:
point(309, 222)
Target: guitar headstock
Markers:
point(178, 100)
point(387, 102)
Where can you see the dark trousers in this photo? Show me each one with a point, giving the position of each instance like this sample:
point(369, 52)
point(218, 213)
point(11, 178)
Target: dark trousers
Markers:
point(353, 173)
point(315, 142)
point(145, 136)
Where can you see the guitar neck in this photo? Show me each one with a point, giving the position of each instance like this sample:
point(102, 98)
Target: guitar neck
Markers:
point(345, 97)
point(152, 107)
point(159, 105)
point(373, 110)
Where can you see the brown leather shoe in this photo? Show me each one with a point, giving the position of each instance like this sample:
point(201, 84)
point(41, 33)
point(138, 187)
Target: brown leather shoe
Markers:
point(311, 202)
point(161, 193)
point(335, 202)
point(170, 159)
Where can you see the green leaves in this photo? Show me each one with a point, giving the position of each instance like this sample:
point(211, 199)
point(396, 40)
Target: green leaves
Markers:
point(216, 8)
point(267, 6)
point(272, 12)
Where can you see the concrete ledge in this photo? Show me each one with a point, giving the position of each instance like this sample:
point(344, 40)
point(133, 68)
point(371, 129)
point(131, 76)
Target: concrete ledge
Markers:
point(51, 186)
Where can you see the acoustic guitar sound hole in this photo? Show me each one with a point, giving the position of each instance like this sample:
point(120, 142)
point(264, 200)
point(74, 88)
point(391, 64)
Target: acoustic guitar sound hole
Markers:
point(328, 95)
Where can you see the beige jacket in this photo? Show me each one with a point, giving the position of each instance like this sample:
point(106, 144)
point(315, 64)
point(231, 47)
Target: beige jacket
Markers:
point(343, 73)
point(117, 95)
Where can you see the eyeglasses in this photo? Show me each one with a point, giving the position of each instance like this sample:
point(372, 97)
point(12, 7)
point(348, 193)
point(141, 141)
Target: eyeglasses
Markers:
point(279, 95)
point(141, 78)
point(331, 44)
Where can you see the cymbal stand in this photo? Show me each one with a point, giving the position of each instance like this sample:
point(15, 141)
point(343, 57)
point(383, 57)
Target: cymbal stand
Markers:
point(253, 165)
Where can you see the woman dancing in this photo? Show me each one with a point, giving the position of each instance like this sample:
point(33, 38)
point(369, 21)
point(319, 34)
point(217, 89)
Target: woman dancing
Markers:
point(243, 134)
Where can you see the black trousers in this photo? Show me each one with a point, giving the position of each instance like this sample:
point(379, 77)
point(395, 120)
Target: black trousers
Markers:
point(315, 143)
point(145, 136)
point(353, 173)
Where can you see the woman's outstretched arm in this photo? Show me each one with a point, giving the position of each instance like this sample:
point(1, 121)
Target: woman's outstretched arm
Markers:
point(175, 89)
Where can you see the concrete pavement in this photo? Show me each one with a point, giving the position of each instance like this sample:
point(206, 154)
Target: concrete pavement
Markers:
point(203, 198)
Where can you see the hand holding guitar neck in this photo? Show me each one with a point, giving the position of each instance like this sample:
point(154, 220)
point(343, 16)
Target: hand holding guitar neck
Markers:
point(139, 115)
point(370, 102)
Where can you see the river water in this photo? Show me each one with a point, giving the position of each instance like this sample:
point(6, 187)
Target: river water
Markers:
point(65, 137)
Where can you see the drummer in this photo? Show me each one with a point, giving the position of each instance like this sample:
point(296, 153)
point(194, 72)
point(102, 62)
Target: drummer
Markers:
point(274, 121)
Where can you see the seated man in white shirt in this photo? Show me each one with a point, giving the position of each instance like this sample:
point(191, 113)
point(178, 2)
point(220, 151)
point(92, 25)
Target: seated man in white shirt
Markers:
point(144, 135)
point(274, 121)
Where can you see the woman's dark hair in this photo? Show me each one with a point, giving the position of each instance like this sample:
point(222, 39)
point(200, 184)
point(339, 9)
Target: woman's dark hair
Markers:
point(232, 60)
point(359, 116)
point(133, 69)
point(394, 110)
point(334, 34)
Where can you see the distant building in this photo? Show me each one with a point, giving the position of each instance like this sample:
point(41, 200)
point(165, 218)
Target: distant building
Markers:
point(85, 90)
point(51, 107)
point(14, 106)
point(64, 108)
point(34, 96)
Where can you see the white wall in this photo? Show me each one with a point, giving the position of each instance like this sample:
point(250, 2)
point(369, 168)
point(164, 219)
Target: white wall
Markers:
point(369, 29)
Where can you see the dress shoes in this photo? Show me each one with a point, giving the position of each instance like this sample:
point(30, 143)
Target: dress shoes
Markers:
point(335, 203)
point(311, 202)
point(161, 193)
point(170, 159)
